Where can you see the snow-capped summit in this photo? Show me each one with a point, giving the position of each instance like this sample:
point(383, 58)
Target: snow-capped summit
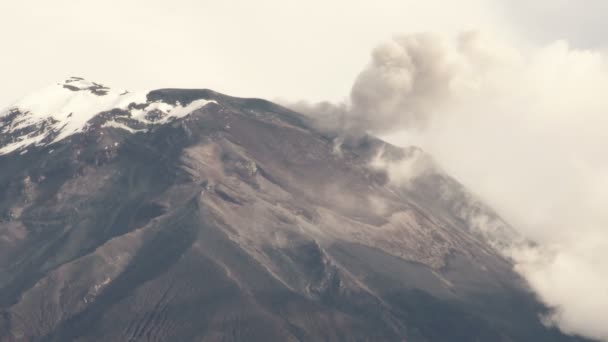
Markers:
point(65, 108)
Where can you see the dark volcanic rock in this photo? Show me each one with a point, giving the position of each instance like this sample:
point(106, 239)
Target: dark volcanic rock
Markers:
point(239, 222)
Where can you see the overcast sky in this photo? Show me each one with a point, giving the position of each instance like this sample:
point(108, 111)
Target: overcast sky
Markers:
point(522, 120)
point(265, 48)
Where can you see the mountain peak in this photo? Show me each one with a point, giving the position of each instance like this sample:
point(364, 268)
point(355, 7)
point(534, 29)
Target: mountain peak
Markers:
point(62, 109)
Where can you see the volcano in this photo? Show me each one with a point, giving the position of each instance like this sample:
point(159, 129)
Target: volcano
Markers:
point(188, 215)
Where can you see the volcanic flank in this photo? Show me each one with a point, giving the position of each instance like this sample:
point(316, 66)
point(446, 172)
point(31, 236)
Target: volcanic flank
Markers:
point(188, 215)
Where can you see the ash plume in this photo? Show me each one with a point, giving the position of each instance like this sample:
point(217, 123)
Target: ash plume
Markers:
point(525, 129)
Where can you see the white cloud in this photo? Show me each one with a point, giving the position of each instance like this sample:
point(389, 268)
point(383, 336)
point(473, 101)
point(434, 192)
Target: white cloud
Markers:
point(527, 132)
point(571, 277)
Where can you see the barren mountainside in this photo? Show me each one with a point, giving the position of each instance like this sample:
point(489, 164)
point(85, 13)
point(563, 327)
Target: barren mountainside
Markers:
point(188, 215)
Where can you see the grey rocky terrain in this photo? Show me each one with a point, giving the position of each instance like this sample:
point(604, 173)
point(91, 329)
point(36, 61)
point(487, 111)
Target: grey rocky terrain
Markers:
point(195, 216)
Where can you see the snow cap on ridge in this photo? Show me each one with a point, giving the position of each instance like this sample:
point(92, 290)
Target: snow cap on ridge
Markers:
point(63, 109)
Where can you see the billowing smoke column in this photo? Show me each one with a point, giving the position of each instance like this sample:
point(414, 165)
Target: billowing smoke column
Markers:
point(408, 79)
point(411, 79)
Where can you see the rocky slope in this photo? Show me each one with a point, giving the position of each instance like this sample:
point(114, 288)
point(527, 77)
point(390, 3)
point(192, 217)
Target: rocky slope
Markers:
point(187, 215)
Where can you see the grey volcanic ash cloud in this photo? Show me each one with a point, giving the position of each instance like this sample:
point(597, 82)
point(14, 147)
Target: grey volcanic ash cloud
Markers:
point(408, 79)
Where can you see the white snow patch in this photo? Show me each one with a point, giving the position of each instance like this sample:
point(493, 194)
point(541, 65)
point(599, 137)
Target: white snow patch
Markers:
point(122, 126)
point(71, 110)
point(180, 112)
point(171, 111)
point(21, 142)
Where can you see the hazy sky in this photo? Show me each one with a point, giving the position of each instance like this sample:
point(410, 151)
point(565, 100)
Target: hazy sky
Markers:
point(522, 120)
point(268, 48)
point(582, 23)
point(265, 48)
